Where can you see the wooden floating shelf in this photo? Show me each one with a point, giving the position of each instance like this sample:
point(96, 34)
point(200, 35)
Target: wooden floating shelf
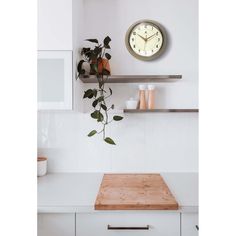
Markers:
point(159, 110)
point(133, 78)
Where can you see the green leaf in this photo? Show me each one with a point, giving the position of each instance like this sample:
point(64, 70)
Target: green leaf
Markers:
point(79, 67)
point(85, 51)
point(110, 91)
point(92, 133)
point(95, 92)
point(92, 40)
point(106, 41)
point(117, 118)
point(95, 102)
point(100, 99)
point(94, 67)
point(88, 93)
point(103, 107)
point(97, 50)
point(94, 114)
point(100, 117)
point(108, 56)
point(109, 140)
point(107, 46)
point(88, 55)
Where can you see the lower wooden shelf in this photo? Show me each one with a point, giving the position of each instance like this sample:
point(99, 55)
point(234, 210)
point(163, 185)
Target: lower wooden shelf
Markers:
point(160, 110)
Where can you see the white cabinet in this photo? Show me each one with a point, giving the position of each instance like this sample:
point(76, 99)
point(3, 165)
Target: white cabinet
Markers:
point(54, 24)
point(189, 224)
point(54, 80)
point(51, 224)
point(108, 224)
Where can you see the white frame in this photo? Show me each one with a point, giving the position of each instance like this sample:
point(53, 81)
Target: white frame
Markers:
point(68, 94)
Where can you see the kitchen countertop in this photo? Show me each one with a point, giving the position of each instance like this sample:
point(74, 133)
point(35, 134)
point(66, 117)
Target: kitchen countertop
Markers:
point(77, 192)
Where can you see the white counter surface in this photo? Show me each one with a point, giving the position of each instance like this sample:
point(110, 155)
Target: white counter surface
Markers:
point(77, 192)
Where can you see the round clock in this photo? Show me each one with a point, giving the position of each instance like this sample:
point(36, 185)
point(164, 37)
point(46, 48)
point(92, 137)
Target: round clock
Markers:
point(145, 40)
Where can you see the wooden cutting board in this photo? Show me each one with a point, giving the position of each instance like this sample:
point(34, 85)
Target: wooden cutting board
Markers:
point(134, 192)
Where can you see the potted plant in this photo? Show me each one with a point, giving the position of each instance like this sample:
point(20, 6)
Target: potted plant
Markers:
point(98, 60)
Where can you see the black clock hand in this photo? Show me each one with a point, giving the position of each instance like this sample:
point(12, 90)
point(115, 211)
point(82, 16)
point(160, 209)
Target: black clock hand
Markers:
point(142, 37)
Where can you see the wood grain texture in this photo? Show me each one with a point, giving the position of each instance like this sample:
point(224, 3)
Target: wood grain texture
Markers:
point(134, 192)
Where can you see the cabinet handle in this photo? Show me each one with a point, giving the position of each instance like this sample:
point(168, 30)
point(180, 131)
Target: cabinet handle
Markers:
point(197, 227)
point(109, 227)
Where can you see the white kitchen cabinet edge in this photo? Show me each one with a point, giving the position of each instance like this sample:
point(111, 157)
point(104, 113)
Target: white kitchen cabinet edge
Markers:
point(89, 209)
point(67, 55)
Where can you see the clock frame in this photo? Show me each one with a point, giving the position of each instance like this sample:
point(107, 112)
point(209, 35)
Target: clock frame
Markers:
point(146, 22)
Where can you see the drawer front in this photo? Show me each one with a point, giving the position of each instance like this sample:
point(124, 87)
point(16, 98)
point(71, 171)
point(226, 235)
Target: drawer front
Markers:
point(50, 224)
point(128, 224)
point(189, 224)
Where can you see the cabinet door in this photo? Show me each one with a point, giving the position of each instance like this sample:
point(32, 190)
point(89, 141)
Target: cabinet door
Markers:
point(128, 224)
point(54, 80)
point(50, 224)
point(189, 224)
point(54, 24)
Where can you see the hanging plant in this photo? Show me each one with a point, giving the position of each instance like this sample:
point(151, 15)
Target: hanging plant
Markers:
point(98, 60)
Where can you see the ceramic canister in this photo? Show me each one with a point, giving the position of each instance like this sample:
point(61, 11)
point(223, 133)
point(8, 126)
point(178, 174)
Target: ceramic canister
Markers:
point(41, 166)
point(131, 103)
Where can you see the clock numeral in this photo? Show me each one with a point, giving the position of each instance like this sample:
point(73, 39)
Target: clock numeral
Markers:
point(156, 33)
point(156, 46)
point(145, 26)
point(132, 39)
point(139, 50)
point(134, 46)
point(134, 33)
point(159, 39)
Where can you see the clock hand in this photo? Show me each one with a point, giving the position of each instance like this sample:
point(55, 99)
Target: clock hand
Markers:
point(142, 37)
point(151, 37)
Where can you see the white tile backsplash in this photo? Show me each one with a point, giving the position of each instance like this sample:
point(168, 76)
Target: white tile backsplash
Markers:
point(145, 143)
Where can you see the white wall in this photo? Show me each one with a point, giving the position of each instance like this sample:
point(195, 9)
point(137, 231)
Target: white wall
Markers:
point(54, 25)
point(145, 142)
point(180, 19)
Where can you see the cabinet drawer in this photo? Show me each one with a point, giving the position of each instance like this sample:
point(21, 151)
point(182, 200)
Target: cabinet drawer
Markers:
point(128, 224)
point(50, 224)
point(189, 224)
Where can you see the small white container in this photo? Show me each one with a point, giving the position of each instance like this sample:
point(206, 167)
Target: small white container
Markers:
point(42, 166)
point(131, 103)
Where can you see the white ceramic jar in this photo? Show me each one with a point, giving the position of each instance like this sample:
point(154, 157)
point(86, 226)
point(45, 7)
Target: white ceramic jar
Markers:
point(131, 104)
point(41, 166)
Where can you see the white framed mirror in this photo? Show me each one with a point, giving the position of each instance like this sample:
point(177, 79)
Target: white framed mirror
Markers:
point(54, 80)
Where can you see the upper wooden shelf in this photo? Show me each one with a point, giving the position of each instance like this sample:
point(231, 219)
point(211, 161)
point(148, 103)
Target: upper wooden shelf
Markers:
point(133, 78)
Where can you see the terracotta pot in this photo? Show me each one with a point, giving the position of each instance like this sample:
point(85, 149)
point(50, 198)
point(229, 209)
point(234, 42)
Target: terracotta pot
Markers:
point(102, 64)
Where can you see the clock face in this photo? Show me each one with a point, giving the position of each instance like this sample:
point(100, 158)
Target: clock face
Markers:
point(145, 40)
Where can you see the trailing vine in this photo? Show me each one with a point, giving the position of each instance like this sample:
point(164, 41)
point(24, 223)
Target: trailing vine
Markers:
point(98, 60)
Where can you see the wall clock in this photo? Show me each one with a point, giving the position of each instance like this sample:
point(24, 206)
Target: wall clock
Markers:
point(146, 40)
